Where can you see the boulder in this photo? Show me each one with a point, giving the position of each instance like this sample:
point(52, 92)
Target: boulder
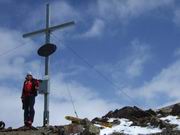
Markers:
point(176, 110)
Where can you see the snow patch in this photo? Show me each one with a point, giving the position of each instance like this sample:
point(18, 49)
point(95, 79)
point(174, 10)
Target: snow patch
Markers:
point(172, 120)
point(124, 127)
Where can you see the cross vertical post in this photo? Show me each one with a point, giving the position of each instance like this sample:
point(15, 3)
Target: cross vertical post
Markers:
point(46, 94)
point(46, 51)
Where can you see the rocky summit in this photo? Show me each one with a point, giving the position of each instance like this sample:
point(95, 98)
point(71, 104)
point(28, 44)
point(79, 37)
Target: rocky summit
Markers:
point(147, 118)
point(127, 120)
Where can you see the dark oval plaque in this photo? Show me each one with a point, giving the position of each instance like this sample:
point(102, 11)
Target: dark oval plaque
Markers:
point(46, 50)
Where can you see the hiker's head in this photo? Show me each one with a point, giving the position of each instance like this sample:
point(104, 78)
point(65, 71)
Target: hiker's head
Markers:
point(29, 76)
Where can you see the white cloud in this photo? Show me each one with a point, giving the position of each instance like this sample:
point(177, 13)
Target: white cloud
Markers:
point(96, 29)
point(63, 11)
point(105, 13)
point(127, 9)
point(14, 53)
point(60, 12)
point(138, 57)
point(131, 65)
point(165, 83)
point(11, 39)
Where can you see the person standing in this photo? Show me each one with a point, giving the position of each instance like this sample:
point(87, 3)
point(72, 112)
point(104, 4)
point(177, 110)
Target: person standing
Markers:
point(29, 92)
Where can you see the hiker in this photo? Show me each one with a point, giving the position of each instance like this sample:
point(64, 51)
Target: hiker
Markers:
point(29, 92)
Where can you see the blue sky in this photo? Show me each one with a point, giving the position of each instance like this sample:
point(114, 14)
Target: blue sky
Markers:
point(133, 43)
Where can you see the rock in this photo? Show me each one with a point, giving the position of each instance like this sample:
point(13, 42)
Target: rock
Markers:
point(143, 122)
point(91, 130)
point(73, 129)
point(86, 122)
point(116, 133)
point(156, 122)
point(175, 110)
point(9, 128)
point(131, 113)
point(169, 110)
point(151, 112)
point(52, 128)
point(100, 119)
point(110, 114)
point(163, 113)
point(56, 129)
point(168, 132)
point(116, 122)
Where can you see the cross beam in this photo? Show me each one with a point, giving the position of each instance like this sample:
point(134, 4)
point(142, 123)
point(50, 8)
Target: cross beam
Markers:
point(47, 32)
point(51, 29)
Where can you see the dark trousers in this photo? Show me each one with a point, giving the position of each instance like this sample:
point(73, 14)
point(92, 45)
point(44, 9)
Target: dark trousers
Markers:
point(28, 105)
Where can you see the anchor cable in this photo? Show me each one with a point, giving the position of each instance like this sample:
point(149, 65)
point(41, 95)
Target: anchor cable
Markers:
point(72, 101)
point(70, 95)
point(98, 72)
point(11, 50)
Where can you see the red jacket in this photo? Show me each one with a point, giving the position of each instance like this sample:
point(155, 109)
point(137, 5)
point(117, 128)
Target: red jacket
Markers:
point(30, 88)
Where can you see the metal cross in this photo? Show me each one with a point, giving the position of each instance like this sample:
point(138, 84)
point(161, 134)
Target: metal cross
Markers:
point(47, 32)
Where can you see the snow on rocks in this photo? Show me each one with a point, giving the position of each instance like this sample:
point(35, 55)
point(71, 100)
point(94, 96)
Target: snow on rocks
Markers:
point(172, 120)
point(126, 128)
